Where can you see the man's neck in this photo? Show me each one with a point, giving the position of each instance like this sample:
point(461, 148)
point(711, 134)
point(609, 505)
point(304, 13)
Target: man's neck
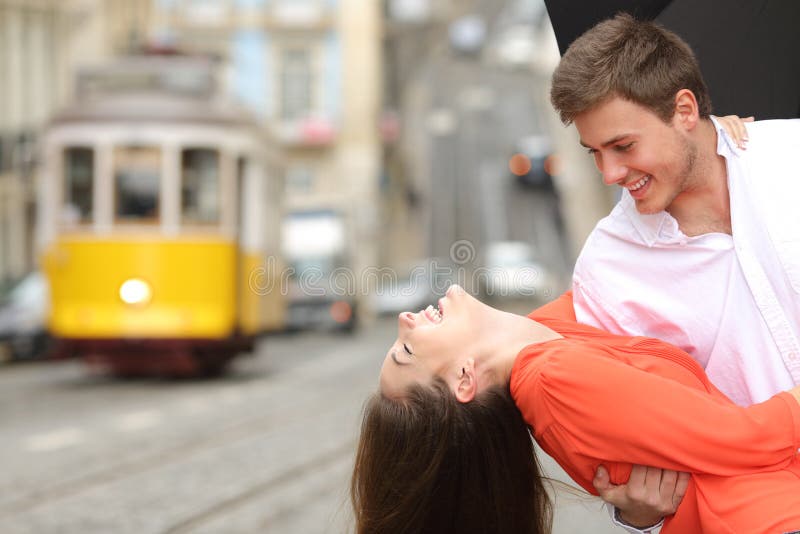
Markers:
point(704, 205)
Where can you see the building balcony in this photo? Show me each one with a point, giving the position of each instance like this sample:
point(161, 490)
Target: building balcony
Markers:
point(299, 15)
point(277, 16)
point(308, 132)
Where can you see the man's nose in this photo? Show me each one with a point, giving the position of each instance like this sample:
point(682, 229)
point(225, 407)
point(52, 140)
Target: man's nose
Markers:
point(613, 173)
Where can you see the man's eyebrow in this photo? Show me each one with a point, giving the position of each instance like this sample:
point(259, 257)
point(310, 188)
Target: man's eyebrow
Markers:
point(394, 357)
point(611, 141)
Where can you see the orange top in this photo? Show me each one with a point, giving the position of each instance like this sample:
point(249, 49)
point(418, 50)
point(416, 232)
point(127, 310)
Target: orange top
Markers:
point(595, 398)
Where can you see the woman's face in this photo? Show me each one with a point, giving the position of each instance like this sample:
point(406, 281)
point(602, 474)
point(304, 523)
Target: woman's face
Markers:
point(433, 342)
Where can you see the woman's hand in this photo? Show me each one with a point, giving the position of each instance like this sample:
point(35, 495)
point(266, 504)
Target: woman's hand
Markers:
point(734, 126)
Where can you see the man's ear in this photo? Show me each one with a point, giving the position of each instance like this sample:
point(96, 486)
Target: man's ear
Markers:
point(687, 113)
point(467, 384)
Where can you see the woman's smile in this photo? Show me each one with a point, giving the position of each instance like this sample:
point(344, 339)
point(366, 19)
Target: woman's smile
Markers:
point(433, 314)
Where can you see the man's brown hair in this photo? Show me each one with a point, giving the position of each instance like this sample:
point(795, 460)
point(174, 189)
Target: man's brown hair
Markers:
point(635, 60)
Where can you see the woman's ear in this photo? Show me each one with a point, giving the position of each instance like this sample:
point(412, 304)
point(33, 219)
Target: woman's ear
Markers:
point(467, 385)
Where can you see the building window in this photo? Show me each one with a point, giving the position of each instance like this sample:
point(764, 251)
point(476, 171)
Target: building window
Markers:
point(299, 179)
point(200, 186)
point(24, 153)
point(205, 12)
point(297, 82)
point(5, 160)
point(78, 183)
point(137, 177)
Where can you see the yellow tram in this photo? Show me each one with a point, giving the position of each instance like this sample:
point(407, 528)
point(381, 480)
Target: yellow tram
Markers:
point(157, 204)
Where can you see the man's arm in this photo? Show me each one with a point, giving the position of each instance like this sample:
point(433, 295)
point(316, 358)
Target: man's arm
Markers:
point(649, 495)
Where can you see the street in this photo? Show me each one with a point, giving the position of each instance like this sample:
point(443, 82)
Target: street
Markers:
point(267, 448)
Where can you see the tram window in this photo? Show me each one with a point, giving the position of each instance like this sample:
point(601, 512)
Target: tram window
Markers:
point(78, 183)
point(137, 173)
point(200, 186)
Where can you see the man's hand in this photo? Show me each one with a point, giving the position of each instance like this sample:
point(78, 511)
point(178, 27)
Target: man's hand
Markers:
point(649, 495)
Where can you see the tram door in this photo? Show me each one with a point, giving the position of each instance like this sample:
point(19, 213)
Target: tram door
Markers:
point(241, 205)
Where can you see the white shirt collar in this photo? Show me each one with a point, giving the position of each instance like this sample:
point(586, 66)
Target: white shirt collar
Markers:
point(653, 228)
point(726, 146)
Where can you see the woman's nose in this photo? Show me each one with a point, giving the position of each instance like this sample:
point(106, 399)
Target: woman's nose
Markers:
point(405, 320)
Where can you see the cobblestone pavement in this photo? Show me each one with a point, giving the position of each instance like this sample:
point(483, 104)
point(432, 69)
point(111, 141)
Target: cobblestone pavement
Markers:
point(268, 448)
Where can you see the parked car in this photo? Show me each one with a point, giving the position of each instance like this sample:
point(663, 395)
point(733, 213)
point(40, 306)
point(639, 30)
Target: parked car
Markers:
point(537, 148)
point(23, 316)
point(413, 286)
point(511, 269)
point(320, 258)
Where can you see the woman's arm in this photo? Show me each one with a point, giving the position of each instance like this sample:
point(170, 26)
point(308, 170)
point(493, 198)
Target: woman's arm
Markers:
point(616, 412)
point(734, 126)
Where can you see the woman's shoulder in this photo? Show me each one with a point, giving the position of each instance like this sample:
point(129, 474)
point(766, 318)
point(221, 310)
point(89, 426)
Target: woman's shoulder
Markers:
point(559, 308)
point(534, 358)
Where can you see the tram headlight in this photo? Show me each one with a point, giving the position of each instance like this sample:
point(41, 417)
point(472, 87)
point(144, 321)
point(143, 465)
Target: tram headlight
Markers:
point(135, 292)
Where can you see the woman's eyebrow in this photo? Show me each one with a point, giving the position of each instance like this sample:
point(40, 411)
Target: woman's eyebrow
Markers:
point(394, 357)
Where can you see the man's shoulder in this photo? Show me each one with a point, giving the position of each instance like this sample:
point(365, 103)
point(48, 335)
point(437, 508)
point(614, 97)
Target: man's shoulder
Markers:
point(772, 157)
point(774, 126)
point(614, 227)
point(773, 137)
point(618, 221)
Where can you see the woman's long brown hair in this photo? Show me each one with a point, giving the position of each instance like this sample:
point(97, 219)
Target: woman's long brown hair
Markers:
point(429, 464)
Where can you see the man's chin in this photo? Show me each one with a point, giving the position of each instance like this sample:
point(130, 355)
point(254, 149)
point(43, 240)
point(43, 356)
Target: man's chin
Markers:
point(647, 208)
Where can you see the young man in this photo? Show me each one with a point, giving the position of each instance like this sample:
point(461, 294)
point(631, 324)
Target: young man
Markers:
point(706, 237)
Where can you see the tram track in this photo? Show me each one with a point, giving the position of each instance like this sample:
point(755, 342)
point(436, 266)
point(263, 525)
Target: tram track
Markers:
point(309, 409)
point(258, 490)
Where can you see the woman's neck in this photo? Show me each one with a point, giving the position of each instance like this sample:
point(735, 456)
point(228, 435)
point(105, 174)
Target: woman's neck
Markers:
point(508, 334)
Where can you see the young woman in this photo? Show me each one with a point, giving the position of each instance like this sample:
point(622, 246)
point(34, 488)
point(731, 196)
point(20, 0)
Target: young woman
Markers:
point(444, 446)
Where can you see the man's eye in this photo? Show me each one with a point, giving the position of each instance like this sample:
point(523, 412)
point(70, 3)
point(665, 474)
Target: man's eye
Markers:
point(405, 347)
point(591, 151)
point(623, 148)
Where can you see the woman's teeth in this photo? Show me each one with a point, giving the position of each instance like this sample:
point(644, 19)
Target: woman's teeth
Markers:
point(639, 184)
point(433, 314)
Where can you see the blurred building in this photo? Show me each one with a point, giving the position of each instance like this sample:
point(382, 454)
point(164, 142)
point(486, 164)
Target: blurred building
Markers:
point(437, 99)
point(414, 30)
point(468, 79)
point(312, 70)
point(42, 44)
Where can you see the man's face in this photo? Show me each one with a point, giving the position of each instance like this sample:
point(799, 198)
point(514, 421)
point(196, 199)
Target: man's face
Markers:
point(635, 149)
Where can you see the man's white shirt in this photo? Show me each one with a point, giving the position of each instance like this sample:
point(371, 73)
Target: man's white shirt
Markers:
point(732, 302)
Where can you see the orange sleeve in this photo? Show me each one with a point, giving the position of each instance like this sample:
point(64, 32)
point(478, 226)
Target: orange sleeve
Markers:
point(560, 308)
point(617, 412)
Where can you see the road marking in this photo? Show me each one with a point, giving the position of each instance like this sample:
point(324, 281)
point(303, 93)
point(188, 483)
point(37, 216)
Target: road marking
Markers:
point(52, 441)
point(136, 421)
